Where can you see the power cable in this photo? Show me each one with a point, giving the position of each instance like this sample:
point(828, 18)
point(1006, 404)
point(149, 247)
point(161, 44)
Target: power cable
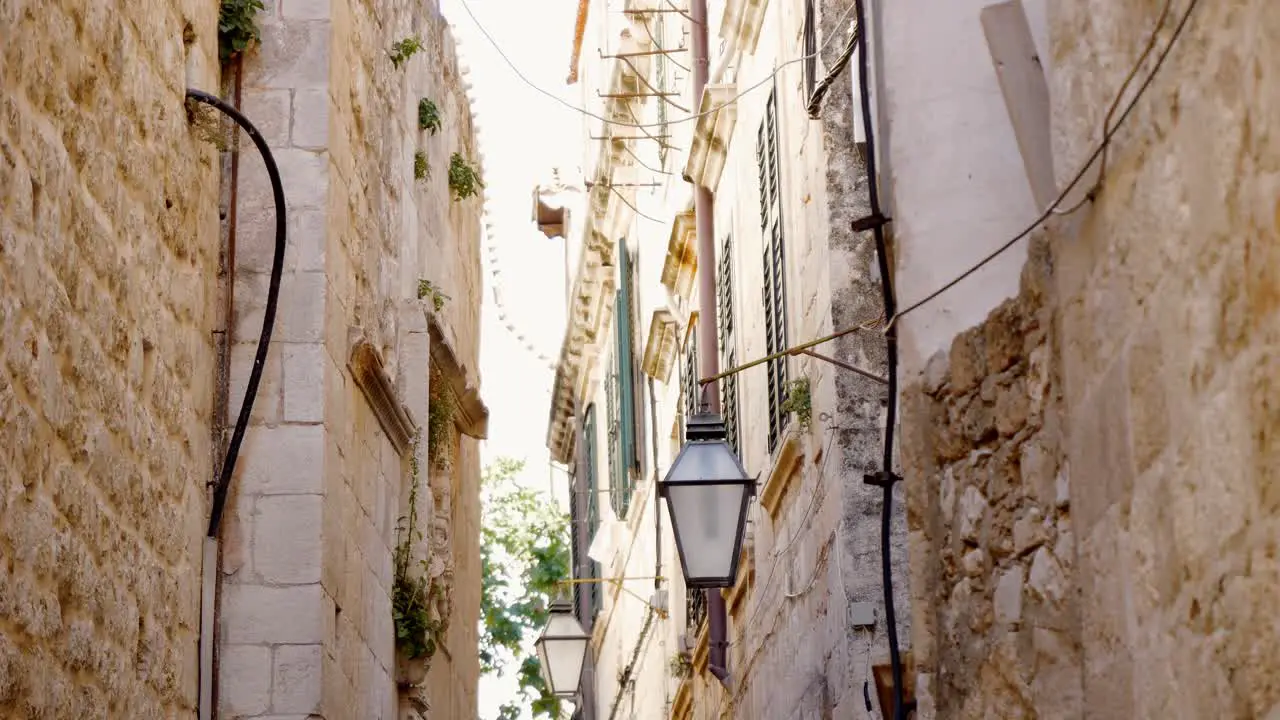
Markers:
point(768, 79)
point(1053, 206)
point(886, 478)
point(223, 485)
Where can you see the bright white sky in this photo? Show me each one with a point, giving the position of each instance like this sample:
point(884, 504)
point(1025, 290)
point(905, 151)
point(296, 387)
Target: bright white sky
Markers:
point(523, 134)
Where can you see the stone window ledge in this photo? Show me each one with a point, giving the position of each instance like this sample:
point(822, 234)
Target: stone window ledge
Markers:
point(782, 475)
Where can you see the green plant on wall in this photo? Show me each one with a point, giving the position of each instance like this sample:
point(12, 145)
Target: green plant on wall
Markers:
point(441, 409)
point(421, 171)
point(237, 27)
point(426, 289)
point(428, 116)
point(464, 179)
point(418, 631)
point(799, 402)
point(680, 666)
point(402, 50)
point(524, 556)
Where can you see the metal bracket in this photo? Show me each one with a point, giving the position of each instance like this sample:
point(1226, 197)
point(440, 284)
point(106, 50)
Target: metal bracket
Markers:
point(882, 479)
point(870, 222)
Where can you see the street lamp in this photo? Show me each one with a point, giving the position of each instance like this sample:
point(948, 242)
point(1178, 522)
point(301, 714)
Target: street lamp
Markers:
point(707, 492)
point(562, 649)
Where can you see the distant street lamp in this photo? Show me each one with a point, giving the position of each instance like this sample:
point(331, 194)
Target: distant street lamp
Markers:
point(562, 650)
point(707, 491)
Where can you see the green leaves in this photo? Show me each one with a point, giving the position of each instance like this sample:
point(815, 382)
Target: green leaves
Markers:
point(524, 555)
point(428, 116)
point(421, 170)
point(237, 29)
point(464, 179)
point(404, 49)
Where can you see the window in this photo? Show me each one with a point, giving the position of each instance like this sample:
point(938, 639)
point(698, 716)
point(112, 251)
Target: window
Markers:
point(689, 375)
point(624, 420)
point(775, 287)
point(728, 351)
point(587, 499)
point(810, 50)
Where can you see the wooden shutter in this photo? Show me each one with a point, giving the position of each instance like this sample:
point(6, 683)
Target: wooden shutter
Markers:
point(775, 289)
point(728, 343)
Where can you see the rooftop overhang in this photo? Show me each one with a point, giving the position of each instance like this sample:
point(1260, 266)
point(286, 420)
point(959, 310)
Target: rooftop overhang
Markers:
point(718, 116)
point(681, 264)
point(662, 345)
point(742, 20)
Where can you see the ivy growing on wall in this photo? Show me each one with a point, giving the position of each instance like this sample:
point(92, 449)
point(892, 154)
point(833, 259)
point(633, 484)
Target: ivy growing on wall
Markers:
point(237, 27)
point(418, 631)
point(524, 555)
point(464, 178)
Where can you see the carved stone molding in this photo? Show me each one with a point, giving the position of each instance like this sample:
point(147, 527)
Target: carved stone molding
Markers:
point(371, 376)
point(472, 417)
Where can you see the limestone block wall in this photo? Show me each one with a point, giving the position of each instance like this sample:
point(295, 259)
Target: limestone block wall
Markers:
point(993, 551)
point(108, 258)
point(1169, 328)
point(308, 575)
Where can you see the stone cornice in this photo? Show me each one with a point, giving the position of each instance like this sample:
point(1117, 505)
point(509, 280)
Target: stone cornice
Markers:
point(743, 19)
point(370, 375)
point(472, 415)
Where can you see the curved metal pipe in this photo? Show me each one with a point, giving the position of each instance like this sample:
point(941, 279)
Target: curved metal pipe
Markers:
point(269, 314)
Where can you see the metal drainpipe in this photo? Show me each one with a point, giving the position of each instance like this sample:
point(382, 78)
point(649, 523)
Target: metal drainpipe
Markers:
point(708, 360)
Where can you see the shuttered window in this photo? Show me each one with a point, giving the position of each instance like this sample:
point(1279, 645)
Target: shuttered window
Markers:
point(689, 376)
point(775, 288)
point(625, 422)
point(588, 500)
point(728, 344)
point(810, 50)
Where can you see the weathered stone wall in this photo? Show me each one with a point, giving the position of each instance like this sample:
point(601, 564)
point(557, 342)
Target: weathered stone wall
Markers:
point(326, 482)
point(997, 611)
point(108, 257)
point(1169, 329)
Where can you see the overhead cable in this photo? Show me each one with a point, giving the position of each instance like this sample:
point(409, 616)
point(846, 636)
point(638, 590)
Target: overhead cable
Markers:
point(767, 80)
point(1084, 168)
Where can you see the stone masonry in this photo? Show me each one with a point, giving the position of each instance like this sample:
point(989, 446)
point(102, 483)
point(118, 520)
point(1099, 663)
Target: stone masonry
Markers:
point(108, 260)
point(997, 630)
point(305, 616)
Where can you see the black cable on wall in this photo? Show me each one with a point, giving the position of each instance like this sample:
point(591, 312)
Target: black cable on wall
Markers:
point(223, 485)
point(885, 479)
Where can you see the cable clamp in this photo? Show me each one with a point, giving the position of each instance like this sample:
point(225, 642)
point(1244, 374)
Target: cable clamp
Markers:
point(870, 222)
point(882, 479)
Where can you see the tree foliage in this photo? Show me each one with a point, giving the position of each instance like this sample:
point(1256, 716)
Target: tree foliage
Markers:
point(524, 555)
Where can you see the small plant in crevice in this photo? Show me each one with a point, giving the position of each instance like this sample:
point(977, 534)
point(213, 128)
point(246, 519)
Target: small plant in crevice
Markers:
point(799, 402)
point(442, 407)
point(237, 27)
point(418, 631)
point(428, 116)
point(421, 170)
point(207, 125)
point(404, 49)
point(680, 666)
point(464, 179)
point(427, 289)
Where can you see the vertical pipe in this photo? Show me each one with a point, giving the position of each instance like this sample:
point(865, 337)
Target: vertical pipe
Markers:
point(708, 360)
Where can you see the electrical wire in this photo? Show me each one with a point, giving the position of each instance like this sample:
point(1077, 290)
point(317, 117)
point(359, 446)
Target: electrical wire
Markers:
point(1053, 206)
point(1115, 104)
point(814, 108)
point(887, 477)
point(223, 485)
point(767, 80)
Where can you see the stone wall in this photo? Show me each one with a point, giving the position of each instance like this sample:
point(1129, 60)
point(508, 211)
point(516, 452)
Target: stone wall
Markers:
point(1169, 312)
point(328, 468)
point(108, 257)
point(997, 610)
